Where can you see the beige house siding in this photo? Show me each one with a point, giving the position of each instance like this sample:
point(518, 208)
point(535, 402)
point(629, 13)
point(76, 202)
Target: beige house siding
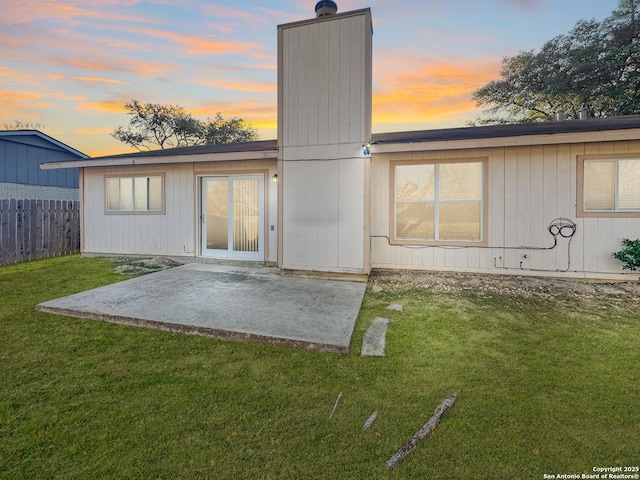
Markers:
point(528, 187)
point(176, 231)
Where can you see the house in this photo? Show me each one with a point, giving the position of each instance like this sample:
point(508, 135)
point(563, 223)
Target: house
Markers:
point(21, 153)
point(39, 209)
point(328, 196)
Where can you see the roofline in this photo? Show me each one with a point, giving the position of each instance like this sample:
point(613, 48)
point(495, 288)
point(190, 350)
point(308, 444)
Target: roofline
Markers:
point(44, 136)
point(254, 145)
point(540, 133)
point(510, 141)
point(548, 133)
point(123, 160)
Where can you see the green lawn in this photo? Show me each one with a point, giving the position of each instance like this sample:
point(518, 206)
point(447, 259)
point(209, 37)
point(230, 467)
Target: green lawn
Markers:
point(543, 386)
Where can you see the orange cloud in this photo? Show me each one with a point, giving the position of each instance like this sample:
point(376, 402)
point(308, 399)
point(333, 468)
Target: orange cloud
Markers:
point(104, 152)
point(107, 106)
point(266, 63)
point(93, 131)
point(263, 117)
point(87, 64)
point(258, 87)
point(433, 90)
point(247, 109)
point(16, 77)
point(13, 100)
point(100, 80)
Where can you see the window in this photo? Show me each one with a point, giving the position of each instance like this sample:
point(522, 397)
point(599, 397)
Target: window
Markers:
point(134, 194)
point(438, 202)
point(610, 186)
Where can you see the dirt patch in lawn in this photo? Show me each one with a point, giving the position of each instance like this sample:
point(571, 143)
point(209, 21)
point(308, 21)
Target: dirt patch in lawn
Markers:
point(136, 266)
point(514, 286)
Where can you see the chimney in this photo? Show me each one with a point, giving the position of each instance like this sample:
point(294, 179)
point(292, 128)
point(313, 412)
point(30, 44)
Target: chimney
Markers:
point(560, 115)
point(326, 8)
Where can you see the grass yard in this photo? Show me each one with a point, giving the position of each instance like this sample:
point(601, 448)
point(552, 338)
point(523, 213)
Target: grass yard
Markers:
point(545, 386)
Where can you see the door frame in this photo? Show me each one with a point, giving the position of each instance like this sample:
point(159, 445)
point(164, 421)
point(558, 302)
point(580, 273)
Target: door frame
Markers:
point(262, 206)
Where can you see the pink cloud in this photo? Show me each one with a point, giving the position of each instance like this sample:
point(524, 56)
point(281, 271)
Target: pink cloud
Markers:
point(27, 11)
point(17, 77)
point(230, 14)
point(124, 65)
point(194, 45)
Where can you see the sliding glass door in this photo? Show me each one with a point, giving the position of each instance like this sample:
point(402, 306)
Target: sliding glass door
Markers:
point(233, 217)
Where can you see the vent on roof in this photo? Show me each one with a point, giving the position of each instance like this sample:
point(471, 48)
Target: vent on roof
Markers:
point(584, 113)
point(326, 8)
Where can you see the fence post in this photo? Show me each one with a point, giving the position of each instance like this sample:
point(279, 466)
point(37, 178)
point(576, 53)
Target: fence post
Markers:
point(4, 232)
point(12, 230)
point(37, 230)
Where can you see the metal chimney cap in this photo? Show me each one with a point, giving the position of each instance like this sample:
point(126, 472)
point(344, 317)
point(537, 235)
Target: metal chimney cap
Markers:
point(324, 8)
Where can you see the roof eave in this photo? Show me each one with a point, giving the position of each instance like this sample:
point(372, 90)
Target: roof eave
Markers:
point(508, 141)
point(168, 159)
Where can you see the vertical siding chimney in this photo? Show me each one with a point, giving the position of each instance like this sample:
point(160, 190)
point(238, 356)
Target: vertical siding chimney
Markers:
point(322, 175)
point(560, 115)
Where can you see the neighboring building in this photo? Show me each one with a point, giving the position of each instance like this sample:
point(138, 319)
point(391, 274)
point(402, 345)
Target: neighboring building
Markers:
point(21, 153)
point(540, 199)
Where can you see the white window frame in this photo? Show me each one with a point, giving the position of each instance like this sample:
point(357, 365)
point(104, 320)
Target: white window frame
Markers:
point(423, 241)
point(616, 212)
point(134, 211)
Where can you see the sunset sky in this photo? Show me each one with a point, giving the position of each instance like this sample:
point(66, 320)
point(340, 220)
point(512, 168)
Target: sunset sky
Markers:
point(72, 65)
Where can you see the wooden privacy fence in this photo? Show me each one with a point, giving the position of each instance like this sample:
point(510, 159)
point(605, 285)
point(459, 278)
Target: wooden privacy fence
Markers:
point(32, 229)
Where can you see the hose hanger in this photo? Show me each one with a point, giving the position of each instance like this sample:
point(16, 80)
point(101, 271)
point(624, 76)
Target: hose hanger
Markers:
point(562, 226)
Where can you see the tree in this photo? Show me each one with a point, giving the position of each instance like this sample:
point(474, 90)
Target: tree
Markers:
point(219, 130)
point(595, 66)
point(166, 126)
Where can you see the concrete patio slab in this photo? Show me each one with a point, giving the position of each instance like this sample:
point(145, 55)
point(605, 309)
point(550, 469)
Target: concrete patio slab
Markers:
point(224, 301)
